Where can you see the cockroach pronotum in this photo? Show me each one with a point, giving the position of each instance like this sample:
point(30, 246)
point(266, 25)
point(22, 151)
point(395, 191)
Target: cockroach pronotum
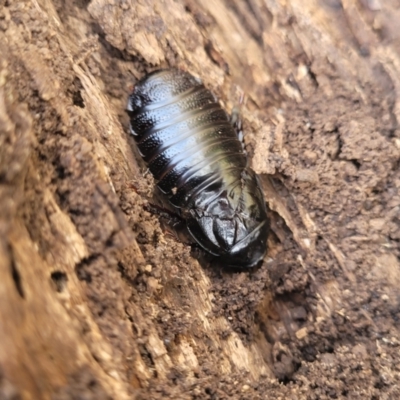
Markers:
point(194, 153)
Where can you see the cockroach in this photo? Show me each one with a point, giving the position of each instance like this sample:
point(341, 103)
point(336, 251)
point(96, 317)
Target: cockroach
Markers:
point(193, 151)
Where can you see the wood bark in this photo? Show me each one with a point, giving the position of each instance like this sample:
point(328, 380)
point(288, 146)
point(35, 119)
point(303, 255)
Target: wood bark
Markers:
point(97, 302)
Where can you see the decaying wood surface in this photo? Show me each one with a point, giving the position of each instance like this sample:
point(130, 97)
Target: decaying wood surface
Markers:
point(97, 302)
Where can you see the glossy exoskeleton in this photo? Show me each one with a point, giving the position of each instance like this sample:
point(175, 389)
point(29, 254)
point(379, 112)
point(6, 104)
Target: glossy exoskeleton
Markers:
point(194, 153)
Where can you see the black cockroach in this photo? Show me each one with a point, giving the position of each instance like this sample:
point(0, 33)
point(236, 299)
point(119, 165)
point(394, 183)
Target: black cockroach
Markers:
point(193, 151)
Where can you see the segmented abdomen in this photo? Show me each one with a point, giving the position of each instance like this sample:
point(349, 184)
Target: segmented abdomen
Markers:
point(184, 135)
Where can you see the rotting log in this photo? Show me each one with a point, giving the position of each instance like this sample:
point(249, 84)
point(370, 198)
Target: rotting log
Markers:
point(97, 302)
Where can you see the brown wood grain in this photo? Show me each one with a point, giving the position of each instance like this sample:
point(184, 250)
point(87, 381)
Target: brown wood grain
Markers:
point(96, 301)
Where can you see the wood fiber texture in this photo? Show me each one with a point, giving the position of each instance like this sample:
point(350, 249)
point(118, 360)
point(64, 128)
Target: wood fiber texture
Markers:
point(97, 301)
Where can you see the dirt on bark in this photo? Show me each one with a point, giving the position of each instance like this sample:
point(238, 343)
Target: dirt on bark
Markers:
point(97, 301)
